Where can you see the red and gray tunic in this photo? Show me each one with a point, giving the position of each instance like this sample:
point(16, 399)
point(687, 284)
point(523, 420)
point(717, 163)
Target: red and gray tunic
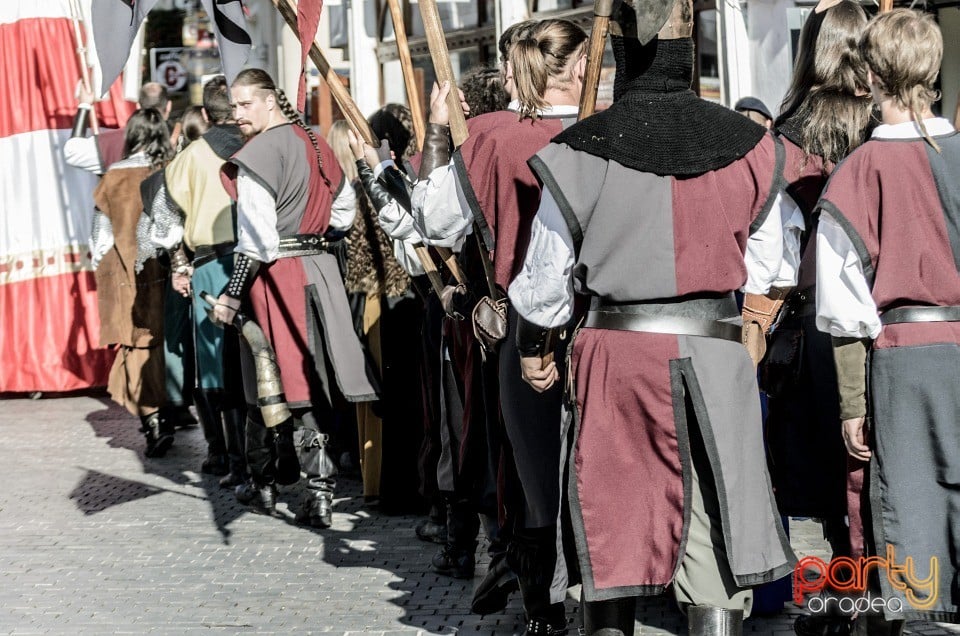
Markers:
point(888, 242)
point(677, 248)
point(297, 299)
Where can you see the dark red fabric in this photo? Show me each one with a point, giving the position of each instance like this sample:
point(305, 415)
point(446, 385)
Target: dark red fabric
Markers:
point(495, 155)
point(50, 332)
point(316, 219)
point(110, 144)
point(805, 176)
point(887, 192)
point(308, 19)
point(280, 307)
point(858, 506)
point(628, 437)
point(712, 217)
point(41, 90)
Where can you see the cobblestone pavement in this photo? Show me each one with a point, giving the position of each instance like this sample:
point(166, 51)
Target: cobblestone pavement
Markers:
point(95, 538)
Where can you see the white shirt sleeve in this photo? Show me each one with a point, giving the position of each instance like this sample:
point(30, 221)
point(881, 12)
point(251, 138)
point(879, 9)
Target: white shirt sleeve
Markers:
point(82, 152)
point(845, 306)
point(793, 227)
point(764, 254)
point(440, 210)
point(543, 290)
point(406, 255)
point(344, 209)
point(257, 235)
point(397, 223)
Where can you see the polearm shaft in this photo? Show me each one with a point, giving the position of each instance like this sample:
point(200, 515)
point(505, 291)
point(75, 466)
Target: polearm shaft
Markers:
point(288, 9)
point(409, 79)
point(886, 6)
point(598, 42)
point(76, 15)
point(443, 69)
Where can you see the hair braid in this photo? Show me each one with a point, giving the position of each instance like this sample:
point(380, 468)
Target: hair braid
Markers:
point(291, 113)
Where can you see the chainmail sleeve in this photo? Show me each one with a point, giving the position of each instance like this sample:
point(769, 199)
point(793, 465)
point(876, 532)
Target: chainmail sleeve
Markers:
point(160, 227)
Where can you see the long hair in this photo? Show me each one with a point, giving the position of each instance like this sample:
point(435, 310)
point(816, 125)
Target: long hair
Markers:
point(261, 80)
point(147, 132)
point(829, 93)
point(541, 59)
point(340, 144)
point(904, 49)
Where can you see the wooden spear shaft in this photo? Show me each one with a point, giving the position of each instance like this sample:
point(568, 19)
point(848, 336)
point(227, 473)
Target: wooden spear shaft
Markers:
point(598, 42)
point(443, 69)
point(406, 64)
point(76, 16)
point(886, 6)
point(288, 9)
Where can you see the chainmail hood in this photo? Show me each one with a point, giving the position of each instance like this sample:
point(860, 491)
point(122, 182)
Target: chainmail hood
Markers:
point(657, 124)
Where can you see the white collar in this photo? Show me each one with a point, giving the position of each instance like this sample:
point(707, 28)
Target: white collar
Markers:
point(909, 130)
point(565, 110)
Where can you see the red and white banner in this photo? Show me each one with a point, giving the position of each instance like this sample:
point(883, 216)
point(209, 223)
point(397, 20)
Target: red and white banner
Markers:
point(49, 326)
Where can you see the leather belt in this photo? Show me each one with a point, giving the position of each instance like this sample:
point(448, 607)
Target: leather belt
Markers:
point(693, 317)
point(304, 245)
point(920, 314)
point(206, 253)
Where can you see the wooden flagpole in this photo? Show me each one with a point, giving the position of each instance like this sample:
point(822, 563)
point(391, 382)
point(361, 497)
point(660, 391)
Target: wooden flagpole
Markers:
point(437, 42)
point(406, 64)
point(288, 10)
point(76, 17)
point(598, 41)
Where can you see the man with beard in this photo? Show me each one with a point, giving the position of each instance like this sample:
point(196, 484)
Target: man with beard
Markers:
point(293, 208)
point(658, 210)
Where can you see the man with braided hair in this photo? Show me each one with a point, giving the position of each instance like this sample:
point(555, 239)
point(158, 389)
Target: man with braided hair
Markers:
point(292, 210)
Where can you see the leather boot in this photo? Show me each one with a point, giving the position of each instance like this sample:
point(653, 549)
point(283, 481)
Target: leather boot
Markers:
point(705, 620)
point(234, 423)
point(532, 554)
point(262, 497)
point(609, 618)
point(316, 507)
point(493, 592)
point(211, 422)
point(159, 437)
point(457, 558)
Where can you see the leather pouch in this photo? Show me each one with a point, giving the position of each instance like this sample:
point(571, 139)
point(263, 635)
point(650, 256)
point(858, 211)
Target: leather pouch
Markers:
point(490, 322)
point(781, 366)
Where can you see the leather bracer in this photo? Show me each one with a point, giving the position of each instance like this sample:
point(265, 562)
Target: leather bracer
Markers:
point(436, 149)
point(377, 194)
point(850, 359)
point(244, 271)
point(80, 121)
point(534, 341)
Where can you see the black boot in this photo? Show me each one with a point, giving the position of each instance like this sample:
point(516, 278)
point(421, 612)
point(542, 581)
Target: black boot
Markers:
point(316, 507)
point(493, 592)
point(234, 423)
point(609, 618)
point(159, 435)
point(532, 555)
point(208, 411)
point(262, 497)
point(457, 558)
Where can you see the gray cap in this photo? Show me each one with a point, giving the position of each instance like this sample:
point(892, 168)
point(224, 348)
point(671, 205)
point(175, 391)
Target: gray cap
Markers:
point(754, 104)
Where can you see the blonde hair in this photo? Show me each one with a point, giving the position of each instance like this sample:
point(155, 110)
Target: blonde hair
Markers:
point(903, 48)
point(541, 59)
point(340, 143)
